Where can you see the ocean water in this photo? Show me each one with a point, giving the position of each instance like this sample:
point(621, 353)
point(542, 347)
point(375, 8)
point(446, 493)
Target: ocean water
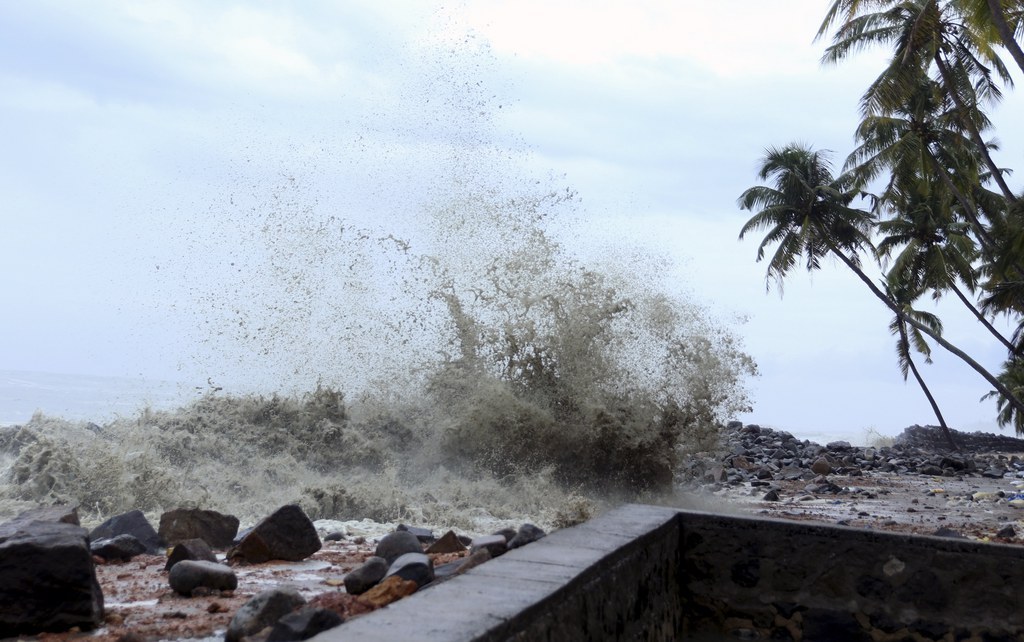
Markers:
point(78, 397)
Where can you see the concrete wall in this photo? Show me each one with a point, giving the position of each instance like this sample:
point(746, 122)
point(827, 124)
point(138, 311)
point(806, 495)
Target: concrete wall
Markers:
point(649, 573)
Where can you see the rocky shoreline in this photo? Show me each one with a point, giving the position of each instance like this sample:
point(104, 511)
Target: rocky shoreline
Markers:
point(320, 573)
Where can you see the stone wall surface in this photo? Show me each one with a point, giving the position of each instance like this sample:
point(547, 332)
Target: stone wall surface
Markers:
point(651, 573)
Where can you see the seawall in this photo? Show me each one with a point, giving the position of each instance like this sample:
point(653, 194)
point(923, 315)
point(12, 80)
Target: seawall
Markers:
point(652, 573)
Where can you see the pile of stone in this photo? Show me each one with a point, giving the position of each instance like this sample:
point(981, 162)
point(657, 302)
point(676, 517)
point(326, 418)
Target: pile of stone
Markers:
point(48, 580)
point(759, 456)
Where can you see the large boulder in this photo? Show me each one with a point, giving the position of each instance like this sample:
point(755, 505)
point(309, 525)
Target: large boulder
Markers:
point(131, 523)
point(216, 529)
point(304, 624)
point(47, 579)
point(65, 514)
point(287, 534)
point(195, 550)
point(394, 545)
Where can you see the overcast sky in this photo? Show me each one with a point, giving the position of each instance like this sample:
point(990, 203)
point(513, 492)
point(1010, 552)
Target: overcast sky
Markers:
point(138, 136)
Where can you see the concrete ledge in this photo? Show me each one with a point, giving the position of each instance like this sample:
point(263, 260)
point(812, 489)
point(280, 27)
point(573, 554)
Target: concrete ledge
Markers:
point(595, 581)
point(650, 573)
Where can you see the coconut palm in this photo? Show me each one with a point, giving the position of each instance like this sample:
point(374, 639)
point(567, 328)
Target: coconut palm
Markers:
point(808, 214)
point(929, 37)
point(908, 338)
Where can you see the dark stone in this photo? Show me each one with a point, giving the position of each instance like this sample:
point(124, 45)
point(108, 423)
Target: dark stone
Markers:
point(417, 567)
point(449, 543)
point(196, 550)
point(930, 469)
point(287, 534)
point(771, 496)
point(1007, 532)
point(304, 625)
point(821, 624)
point(130, 523)
point(122, 547)
point(476, 558)
point(188, 575)
point(47, 579)
point(262, 611)
point(394, 545)
point(507, 533)
point(943, 531)
point(362, 579)
point(527, 534)
point(336, 536)
point(62, 514)
point(424, 535)
point(494, 544)
point(216, 529)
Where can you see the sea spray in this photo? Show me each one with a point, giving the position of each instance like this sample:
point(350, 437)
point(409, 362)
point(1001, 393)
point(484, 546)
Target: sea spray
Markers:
point(425, 348)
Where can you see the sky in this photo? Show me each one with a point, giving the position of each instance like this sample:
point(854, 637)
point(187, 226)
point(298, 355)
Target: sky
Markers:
point(141, 139)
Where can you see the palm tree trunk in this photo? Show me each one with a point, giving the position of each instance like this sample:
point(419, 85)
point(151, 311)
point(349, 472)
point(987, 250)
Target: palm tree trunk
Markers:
point(949, 347)
point(924, 388)
point(981, 317)
point(979, 142)
point(995, 8)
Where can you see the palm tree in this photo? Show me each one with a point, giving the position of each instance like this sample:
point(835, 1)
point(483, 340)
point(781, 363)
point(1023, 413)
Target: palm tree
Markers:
point(808, 214)
point(927, 36)
point(912, 337)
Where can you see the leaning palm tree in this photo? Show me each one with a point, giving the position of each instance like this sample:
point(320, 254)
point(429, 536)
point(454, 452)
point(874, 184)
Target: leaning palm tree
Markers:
point(910, 337)
point(808, 214)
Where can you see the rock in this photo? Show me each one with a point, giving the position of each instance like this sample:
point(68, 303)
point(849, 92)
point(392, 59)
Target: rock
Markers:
point(494, 544)
point(771, 496)
point(131, 523)
point(304, 625)
point(413, 566)
point(287, 534)
point(838, 445)
point(262, 611)
point(336, 536)
point(216, 529)
point(188, 575)
point(191, 549)
point(449, 543)
point(424, 535)
point(62, 514)
point(1007, 532)
point(821, 466)
point(948, 532)
point(527, 534)
point(994, 472)
point(122, 547)
point(507, 533)
point(48, 581)
point(367, 576)
point(394, 545)
point(930, 469)
point(475, 559)
point(390, 590)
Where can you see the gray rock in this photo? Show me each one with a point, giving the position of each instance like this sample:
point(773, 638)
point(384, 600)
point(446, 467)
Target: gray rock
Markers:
point(494, 544)
point(527, 534)
point(413, 566)
point(304, 625)
point(48, 582)
point(122, 547)
point(771, 496)
point(191, 549)
point(336, 536)
point(188, 575)
point(394, 545)
point(821, 466)
point(1007, 532)
point(287, 534)
point(507, 533)
point(216, 529)
point(131, 523)
point(367, 576)
point(424, 535)
point(263, 611)
point(63, 514)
